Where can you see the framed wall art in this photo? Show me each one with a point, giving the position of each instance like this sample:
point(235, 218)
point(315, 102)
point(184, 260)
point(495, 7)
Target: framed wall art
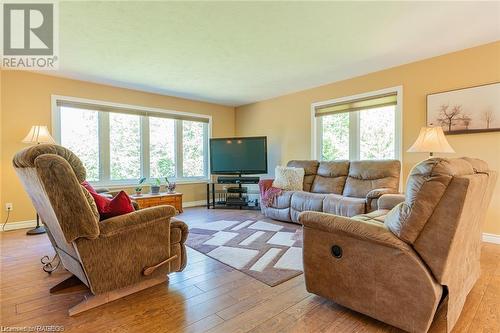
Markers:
point(468, 110)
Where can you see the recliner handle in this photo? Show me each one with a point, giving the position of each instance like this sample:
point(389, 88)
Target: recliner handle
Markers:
point(149, 270)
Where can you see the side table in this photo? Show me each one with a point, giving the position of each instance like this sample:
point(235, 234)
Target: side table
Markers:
point(162, 198)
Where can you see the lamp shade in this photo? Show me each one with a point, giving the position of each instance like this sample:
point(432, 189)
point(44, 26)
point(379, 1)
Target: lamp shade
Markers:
point(431, 140)
point(38, 134)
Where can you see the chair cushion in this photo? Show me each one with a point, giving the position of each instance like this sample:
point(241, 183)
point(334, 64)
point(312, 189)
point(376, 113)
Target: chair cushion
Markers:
point(377, 216)
point(302, 201)
point(425, 187)
point(283, 200)
point(343, 206)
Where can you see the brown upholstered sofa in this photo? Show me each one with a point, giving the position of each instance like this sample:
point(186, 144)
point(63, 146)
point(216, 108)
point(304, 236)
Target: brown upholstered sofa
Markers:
point(337, 187)
point(106, 255)
point(416, 252)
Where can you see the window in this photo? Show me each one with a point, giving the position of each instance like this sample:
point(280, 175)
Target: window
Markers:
point(193, 138)
point(119, 145)
point(162, 147)
point(124, 146)
point(362, 127)
point(335, 137)
point(81, 123)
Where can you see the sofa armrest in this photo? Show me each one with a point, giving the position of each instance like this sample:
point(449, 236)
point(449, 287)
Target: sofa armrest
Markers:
point(178, 227)
point(135, 220)
point(373, 196)
point(362, 230)
point(264, 185)
point(378, 192)
point(389, 201)
point(178, 234)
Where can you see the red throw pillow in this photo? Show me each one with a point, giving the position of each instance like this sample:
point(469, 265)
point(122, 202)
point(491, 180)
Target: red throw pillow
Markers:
point(119, 205)
point(89, 187)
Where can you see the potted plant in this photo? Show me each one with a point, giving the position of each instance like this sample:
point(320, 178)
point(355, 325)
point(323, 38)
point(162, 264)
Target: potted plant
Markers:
point(138, 188)
point(155, 186)
point(170, 186)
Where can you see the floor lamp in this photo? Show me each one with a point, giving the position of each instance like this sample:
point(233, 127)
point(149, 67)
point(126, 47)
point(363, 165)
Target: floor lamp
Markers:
point(38, 134)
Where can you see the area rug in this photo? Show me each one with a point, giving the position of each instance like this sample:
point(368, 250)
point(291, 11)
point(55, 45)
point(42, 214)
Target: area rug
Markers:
point(270, 252)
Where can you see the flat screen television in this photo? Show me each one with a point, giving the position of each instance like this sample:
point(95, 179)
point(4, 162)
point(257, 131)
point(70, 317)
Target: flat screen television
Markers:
point(245, 156)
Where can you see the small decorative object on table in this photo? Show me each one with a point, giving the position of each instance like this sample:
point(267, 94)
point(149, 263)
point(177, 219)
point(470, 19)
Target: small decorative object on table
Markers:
point(155, 187)
point(170, 186)
point(138, 189)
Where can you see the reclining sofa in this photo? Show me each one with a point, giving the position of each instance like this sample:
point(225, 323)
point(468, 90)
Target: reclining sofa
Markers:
point(417, 252)
point(346, 188)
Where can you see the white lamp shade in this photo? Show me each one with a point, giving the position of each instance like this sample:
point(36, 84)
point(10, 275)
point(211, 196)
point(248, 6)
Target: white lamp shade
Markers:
point(38, 134)
point(431, 140)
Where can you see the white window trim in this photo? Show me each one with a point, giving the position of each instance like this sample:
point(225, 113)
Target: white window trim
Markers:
point(354, 151)
point(56, 125)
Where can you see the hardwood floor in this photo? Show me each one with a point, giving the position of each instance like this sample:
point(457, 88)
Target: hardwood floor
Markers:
point(206, 297)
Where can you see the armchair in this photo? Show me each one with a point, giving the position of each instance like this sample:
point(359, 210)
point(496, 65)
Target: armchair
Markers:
point(416, 253)
point(113, 258)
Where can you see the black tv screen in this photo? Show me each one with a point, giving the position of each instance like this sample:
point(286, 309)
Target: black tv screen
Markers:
point(238, 155)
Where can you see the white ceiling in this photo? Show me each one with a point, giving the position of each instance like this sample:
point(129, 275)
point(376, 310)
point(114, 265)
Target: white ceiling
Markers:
point(236, 53)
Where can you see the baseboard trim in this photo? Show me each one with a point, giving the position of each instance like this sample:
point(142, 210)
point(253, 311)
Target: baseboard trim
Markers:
point(194, 203)
point(19, 225)
point(491, 238)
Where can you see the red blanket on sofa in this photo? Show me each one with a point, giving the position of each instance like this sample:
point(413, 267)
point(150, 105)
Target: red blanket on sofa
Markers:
point(268, 192)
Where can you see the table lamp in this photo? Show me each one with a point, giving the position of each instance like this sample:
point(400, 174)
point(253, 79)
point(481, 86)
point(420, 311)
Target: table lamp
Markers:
point(38, 134)
point(431, 140)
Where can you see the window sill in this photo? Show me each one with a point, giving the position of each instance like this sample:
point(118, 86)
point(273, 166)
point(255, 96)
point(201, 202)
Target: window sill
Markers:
point(115, 186)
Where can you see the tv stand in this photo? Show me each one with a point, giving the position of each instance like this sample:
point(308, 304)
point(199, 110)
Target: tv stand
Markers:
point(237, 180)
point(220, 196)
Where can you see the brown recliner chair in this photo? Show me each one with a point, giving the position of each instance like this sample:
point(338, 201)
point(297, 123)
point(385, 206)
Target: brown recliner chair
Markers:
point(399, 265)
point(113, 257)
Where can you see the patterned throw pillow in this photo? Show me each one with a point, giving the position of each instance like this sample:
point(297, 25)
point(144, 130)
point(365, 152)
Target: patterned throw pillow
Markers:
point(289, 178)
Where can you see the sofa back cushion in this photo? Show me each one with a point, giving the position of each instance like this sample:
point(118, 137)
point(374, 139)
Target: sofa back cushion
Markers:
point(426, 185)
point(331, 177)
point(445, 205)
point(365, 176)
point(310, 169)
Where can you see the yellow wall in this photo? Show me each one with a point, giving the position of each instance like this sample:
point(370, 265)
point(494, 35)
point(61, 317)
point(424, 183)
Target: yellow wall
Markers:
point(286, 119)
point(26, 101)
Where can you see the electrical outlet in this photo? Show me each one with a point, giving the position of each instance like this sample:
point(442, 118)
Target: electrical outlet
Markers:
point(9, 206)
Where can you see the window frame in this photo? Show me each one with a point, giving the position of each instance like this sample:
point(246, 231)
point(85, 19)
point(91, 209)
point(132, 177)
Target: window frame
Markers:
point(354, 133)
point(104, 154)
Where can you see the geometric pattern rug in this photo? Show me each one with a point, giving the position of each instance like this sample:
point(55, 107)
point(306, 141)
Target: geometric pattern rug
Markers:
point(271, 252)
